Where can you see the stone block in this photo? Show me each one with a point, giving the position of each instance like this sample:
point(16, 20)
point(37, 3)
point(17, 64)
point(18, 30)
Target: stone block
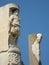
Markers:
point(34, 48)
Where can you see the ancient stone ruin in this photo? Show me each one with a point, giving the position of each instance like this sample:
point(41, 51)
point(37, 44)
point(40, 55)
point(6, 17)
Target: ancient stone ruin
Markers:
point(9, 33)
point(34, 48)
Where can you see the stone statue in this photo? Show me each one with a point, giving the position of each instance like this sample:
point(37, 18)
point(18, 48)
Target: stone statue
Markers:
point(14, 26)
point(14, 23)
point(10, 30)
point(14, 32)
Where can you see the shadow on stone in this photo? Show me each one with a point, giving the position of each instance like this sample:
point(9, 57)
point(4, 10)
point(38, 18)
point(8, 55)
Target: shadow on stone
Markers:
point(40, 63)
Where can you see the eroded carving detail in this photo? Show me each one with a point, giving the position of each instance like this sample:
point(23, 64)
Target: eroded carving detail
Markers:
point(14, 32)
point(10, 31)
point(14, 58)
point(14, 26)
point(14, 22)
point(36, 46)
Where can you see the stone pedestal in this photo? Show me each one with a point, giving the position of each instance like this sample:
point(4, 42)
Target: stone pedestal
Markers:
point(34, 48)
point(9, 33)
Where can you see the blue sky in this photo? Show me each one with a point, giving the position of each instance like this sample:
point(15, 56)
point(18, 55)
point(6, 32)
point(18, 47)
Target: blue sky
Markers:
point(34, 16)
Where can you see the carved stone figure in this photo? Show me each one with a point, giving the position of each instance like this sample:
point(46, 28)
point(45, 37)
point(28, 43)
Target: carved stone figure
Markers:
point(14, 23)
point(9, 33)
point(14, 26)
point(14, 32)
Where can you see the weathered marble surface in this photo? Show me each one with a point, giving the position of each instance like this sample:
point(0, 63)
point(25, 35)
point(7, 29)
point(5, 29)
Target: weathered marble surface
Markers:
point(9, 33)
point(5, 14)
point(34, 48)
point(4, 58)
